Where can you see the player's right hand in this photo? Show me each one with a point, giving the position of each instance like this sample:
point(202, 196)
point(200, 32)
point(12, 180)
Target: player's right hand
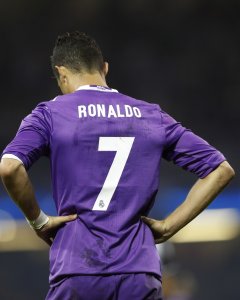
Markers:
point(158, 228)
point(49, 230)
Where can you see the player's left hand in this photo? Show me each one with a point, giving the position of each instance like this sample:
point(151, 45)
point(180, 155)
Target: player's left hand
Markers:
point(49, 230)
point(158, 228)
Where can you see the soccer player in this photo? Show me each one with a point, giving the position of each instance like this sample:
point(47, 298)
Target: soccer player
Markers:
point(105, 150)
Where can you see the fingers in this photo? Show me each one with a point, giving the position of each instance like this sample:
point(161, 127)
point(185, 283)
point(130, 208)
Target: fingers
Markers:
point(64, 219)
point(148, 221)
point(55, 222)
point(49, 230)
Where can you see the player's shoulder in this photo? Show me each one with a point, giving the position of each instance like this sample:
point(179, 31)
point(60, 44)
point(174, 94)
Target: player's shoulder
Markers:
point(51, 103)
point(57, 99)
point(153, 110)
point(154, 107)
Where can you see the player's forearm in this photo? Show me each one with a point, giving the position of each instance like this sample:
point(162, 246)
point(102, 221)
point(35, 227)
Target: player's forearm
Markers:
point(200, 196)
point(19, 187)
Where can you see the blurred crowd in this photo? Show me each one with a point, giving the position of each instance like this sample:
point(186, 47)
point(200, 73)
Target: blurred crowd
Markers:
point(183, 55)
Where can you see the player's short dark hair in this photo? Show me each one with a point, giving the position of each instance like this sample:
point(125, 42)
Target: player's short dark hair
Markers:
point(78, 52)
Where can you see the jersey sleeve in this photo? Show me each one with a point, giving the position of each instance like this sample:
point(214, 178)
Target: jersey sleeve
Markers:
point(187, 150)
point(33, 137)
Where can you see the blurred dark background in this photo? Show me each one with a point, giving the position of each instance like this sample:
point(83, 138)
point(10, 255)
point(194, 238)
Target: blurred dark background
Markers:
point(183, 55)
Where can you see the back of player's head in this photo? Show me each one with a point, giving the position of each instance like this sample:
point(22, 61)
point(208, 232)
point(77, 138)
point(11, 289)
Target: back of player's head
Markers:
point(78, 52)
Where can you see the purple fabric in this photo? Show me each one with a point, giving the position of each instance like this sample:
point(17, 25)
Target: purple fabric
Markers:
point(32, 139)
point(112, 287)
point(67, 130)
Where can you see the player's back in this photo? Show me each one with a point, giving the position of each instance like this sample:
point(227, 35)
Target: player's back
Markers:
point(105, 150)
point(105, 154)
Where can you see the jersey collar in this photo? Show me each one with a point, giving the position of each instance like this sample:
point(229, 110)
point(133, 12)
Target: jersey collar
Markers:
point(96, 88)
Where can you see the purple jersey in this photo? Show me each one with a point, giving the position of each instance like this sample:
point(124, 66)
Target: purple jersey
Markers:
point(105, 150)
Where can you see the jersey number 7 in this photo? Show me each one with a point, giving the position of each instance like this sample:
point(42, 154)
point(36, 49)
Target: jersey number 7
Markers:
point(122, 146)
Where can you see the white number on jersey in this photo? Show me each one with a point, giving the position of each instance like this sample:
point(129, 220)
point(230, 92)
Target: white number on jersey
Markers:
point(122, 146)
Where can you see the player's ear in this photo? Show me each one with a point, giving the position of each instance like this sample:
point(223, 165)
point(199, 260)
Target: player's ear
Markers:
point(105, 68)
point(62, 74)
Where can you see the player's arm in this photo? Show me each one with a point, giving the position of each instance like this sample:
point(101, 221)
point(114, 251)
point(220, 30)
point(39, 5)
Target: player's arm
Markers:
point(30, 143)
point(200, 196)
point(20, 189)
point(193, 154)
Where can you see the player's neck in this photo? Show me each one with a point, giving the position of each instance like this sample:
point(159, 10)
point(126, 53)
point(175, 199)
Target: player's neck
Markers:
point(89, 79)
